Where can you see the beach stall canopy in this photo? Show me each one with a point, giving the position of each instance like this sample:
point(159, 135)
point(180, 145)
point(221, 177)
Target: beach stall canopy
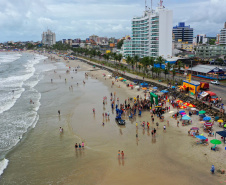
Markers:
point(220, 121)
point(181, 111)
point(152, 96)
point(222, 133)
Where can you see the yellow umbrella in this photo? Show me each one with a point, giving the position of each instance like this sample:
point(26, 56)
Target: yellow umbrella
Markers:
point(220, 121)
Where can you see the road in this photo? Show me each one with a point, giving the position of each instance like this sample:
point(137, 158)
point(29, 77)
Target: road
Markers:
point(220, 90)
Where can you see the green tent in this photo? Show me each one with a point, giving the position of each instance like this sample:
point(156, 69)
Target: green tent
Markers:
point(152, 96)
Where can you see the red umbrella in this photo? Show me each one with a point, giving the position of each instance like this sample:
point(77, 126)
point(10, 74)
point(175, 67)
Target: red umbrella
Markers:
point(208, 124)
point(131, 85)
point(194, 128)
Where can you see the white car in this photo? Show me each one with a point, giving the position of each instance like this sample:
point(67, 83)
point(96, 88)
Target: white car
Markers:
point(215, 82)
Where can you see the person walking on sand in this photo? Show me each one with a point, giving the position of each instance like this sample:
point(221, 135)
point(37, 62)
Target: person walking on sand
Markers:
point(122, 154)
point(76, 145)
point(83, 145)
point(164, 128)
point(61, 129)
point(119, 154)
point(79, 145)
point(93, 110)
point(168, 123)
point(178, 123)
point(59, 112)
point(212, 169)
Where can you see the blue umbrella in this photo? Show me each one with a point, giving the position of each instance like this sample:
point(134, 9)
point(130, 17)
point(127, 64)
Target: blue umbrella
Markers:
point(200, 137)
point(186, 117)
point(155, 87)
point(181, 111)
point(173, 87)
point(207, 118)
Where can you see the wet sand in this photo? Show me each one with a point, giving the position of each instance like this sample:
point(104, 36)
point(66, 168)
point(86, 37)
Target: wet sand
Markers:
point(47, 157)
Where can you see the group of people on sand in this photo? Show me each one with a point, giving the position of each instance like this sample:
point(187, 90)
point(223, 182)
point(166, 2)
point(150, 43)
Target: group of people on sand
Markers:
point(121, 154)
point(79, 146)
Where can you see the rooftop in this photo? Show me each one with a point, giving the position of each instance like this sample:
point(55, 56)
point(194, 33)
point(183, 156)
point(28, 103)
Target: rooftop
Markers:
point(202, 68)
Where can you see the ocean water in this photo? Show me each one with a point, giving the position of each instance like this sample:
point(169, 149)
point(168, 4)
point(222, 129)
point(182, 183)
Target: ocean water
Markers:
point(19, 74)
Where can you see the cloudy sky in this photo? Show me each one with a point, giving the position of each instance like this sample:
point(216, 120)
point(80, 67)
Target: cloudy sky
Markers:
point(23, 20)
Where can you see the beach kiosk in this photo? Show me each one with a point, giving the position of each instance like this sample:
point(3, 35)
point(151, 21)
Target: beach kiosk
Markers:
point(191, 87)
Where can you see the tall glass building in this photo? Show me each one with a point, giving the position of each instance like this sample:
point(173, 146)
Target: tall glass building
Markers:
point(151, 34)
point(223, 35)
point(183, 33)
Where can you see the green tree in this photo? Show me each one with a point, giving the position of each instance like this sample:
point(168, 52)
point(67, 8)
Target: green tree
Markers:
point(152, 62)
point(145, 62)
point(166, 72)
point(173, 72)
point(136, 59)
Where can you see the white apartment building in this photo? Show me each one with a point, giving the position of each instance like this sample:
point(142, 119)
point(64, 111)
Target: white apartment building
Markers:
point(48, 38)
point(223, 35)
point(200, 39)
point(151, 34)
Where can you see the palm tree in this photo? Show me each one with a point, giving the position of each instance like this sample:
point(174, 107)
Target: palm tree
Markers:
point(145, 62)
point(136, 59)
point(179, 65)
point(119, 57)
point(152, 62)
point(173, 72)
point(166, 72)
point(168, 66)
point(160, 61)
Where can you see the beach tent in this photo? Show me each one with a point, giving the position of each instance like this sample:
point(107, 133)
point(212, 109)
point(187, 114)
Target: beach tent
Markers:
point(222, 134)
point(152, 96)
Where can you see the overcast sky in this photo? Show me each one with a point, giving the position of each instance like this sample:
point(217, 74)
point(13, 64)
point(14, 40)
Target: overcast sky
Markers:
point(23, 20)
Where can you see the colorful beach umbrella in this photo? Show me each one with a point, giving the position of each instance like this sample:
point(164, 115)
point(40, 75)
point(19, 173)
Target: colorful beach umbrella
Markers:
point(179, 101)
point(155, 87)
point(191, 105)
point(202, 112)
point(215, 141)
point(186, 117)
point(124, 80)
point(201, 137)
point(144, 88)
point(206, 118)
point(208, 124)
point(220, 121)
point(173, 87)
point(194, 128)
point(181, 111)
point(186, 103)
point(131, 85)
point(183, 107)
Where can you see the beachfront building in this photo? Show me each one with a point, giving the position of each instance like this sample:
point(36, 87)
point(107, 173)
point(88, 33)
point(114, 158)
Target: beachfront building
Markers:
point(223, 35)
point(48, 38)
point(151, 34)
point(210, 51)
point(183, 33)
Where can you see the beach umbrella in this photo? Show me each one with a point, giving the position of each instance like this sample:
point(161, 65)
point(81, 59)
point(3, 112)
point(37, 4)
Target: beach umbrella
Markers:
point(121, 79)
point(206, 118)
point(186, 117)
point(202, 115)
point(181, 111)
point(186, 103)
point(131, 85)
point(173, 87)
point(220, 121)
point(191, 105)
point(171, 112)
point(202, 112)
point(215, 141)
point(144, 88)
point(194, 128)
point(155, 87)
point(124, 80)
point(183, 107)
point(201, 137)
point(208, 124)
point(193, 108)
point(179, 101)
point(224, 125)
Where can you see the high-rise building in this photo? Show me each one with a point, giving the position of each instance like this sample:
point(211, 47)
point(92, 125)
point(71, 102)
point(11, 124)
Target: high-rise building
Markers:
point(200, 39)
point(223, 35)
point(48, 38)
point(151, 34)
point(183, 33)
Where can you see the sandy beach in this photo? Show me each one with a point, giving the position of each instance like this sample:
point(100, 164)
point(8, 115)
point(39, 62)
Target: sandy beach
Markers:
point(46, 156)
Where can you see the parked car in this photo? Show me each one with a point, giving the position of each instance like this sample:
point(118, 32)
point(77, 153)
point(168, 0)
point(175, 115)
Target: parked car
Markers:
point(216, 82)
